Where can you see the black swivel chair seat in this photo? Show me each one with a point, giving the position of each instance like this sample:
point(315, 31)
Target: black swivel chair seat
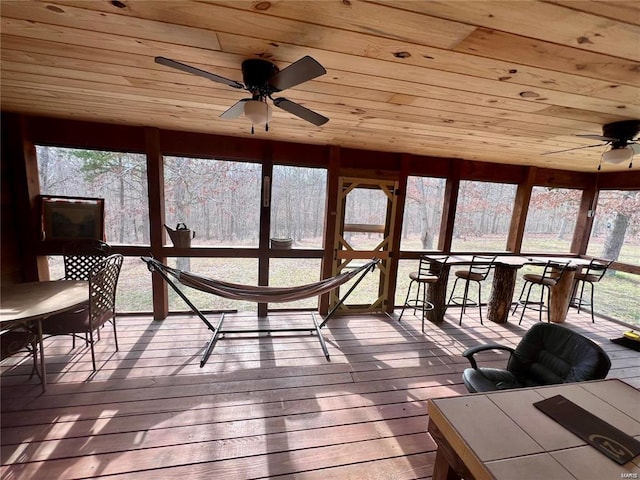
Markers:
point(548, 354)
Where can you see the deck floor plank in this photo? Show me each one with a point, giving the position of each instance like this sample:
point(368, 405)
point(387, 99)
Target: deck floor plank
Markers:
point(262, 407)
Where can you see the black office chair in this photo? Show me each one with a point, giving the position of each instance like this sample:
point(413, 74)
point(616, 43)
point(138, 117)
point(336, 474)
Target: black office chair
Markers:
point(478, 270)
point(429, 271)
point(548, 354)
point(593, 273)
point(551, 275)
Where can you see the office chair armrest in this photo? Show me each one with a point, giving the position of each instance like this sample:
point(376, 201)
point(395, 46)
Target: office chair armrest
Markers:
point(470, 352)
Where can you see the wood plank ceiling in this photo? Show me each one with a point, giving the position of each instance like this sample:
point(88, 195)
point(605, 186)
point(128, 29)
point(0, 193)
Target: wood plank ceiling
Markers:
point(497, 81)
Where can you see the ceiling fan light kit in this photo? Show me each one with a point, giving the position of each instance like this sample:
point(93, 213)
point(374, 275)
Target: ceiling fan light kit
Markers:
point(618, 155)
point(620, 136)
point(262, 79)
point(258, 111)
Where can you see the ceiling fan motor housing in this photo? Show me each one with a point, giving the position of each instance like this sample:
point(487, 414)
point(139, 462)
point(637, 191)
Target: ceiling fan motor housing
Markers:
point(256, 74)
point(624, 130)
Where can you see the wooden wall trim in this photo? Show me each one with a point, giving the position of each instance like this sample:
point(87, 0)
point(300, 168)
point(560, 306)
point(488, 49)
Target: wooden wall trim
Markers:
point(89, 135)
point(21, 203)
point(92, 135)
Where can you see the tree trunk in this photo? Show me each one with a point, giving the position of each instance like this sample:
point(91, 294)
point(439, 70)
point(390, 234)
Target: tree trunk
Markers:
point(615, 236)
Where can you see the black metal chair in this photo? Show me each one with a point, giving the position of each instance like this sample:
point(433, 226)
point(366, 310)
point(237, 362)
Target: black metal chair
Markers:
point(429, 271)
point(548, 354)
point(478, 270)
point(593, 273)
point(551, 275)
point(100, 309)
point(81, 256)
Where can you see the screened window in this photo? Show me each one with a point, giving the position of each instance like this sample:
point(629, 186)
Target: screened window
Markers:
point(616, 227)
point(293, 272)
point(422, 213)
point(483, 216)
point(218, 200)
point(551, 220)
point(119, 178)
point(298, 199)
point(235, 270)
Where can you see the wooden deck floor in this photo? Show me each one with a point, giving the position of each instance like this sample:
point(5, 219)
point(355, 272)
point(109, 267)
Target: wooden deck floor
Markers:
point(269, 407)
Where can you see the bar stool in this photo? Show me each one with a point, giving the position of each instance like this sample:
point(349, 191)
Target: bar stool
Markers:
point(550, 277)
point(593, 273)
point(429, 272)
point(478, 270)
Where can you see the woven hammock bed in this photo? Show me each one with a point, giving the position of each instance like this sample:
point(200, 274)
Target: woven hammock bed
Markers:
point(260, 294)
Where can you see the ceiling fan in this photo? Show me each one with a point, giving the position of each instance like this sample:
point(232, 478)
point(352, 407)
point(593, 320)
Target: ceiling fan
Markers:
point(622, 138)
point(262, 79)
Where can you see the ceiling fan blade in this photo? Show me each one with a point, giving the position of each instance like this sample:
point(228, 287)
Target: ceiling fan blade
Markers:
point(576, 148)
point(300, 111)
point(167, 62)
point(235, 110)
point(598, 137)
point(301, 71)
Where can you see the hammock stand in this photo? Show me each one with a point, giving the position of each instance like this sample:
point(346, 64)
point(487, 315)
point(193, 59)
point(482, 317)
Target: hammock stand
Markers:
point(257, 294)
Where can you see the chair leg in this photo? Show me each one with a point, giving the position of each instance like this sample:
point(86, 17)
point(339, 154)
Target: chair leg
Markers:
point(453, 290)
point(93, 355)
point(465, 297)
point(547, 305)
point(515, 308)
point(593, 320)
point(406, 299)
point(524, 305)
point(480, 301)
point(115, 334)
point(581, 292)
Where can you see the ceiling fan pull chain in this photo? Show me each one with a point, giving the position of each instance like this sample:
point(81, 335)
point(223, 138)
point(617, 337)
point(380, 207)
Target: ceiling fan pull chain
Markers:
point(266, 127)
point(252, 132)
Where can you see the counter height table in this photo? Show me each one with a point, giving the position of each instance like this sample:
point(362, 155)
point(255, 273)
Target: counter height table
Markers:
point(502, 435)
point(31, 303)
point(503, 286)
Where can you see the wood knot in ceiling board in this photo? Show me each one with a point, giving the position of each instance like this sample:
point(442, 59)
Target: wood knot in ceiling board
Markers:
point(402, 54)
point(55, 9)
point(118, 4)
point(529, 94)
point(504, 79)
point(583, 39)
point(262, 6)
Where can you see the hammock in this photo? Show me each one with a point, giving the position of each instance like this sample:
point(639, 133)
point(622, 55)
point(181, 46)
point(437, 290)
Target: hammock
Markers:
point(260, 294)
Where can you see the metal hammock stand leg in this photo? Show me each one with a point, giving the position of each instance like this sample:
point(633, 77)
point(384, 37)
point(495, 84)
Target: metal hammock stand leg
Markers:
point(253, 293)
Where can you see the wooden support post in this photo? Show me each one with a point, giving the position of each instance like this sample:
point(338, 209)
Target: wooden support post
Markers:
point(155, 181)
point(586, 215)
point(449, 208)
point(520, 210)
point(265, 224)
point(330, 226)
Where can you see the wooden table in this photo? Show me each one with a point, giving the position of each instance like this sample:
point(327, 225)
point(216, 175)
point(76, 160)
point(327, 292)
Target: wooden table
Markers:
point(503, 287)
point(501, 435)
point(32, 303)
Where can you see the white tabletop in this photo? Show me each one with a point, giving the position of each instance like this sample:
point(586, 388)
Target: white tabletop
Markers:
point(28, 301)
point(502, 435)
